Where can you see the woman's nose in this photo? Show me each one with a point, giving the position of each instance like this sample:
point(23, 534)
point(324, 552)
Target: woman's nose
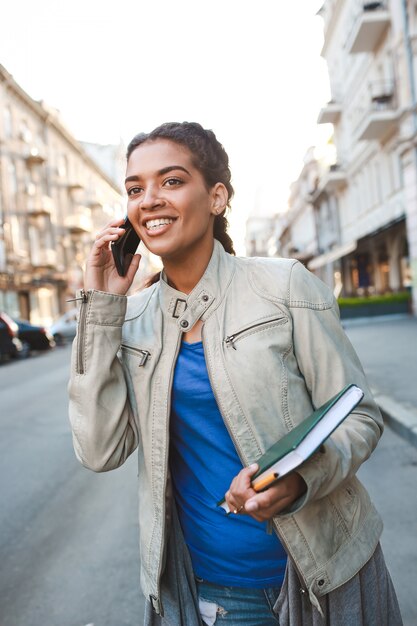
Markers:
point(151, 199)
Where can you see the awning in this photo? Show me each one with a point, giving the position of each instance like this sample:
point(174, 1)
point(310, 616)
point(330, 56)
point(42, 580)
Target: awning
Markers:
point(332, 255)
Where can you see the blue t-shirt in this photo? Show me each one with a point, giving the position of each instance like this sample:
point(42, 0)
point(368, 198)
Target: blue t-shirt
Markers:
point(232, 550)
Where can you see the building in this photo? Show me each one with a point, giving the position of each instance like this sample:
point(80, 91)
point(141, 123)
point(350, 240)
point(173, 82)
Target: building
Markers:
point(298, 238)
point(365, 197)
point(53, 198)
point(110, 158)
point(260, 235)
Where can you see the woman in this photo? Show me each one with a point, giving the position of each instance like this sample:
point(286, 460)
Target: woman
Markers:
point(204, 370)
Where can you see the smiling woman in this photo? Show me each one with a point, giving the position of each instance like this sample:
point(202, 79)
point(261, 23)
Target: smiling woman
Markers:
point(156, 372)
point(171, 207)
point(196, 170)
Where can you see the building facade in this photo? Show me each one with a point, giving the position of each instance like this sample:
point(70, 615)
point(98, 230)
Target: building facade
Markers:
point(365, 194)
point(53, 198)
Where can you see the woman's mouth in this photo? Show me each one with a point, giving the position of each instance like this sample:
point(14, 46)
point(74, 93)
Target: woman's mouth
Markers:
point(159, 224)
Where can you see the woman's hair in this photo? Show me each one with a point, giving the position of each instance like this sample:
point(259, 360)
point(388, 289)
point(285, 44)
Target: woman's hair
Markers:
point(209, 158)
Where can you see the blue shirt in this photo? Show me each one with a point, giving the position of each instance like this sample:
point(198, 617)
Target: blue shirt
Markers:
point(232, 550)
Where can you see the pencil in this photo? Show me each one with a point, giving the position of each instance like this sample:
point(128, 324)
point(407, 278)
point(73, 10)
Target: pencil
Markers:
point(265, 482)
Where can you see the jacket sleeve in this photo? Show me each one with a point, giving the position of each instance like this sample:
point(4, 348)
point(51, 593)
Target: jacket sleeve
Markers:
point(102, 422)
point(328, 362)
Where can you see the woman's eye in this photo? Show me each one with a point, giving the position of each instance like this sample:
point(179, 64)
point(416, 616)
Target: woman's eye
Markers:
point(133, 191)
point(172, 182)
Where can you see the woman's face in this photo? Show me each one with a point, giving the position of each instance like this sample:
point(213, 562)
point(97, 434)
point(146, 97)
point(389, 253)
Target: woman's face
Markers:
point(169, 204)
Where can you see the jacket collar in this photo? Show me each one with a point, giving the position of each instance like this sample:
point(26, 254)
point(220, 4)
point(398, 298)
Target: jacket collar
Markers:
point(206, 296)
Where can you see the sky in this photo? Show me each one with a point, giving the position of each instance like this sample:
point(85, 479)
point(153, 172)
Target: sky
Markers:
point(251, 71)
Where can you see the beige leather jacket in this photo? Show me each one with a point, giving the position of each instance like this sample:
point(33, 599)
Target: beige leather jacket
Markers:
point(274, 349)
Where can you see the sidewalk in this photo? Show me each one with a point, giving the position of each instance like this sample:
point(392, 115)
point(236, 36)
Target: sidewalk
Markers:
point(387, 347)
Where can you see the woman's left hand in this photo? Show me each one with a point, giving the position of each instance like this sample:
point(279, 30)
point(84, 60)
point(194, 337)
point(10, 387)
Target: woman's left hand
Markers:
point(241, 498)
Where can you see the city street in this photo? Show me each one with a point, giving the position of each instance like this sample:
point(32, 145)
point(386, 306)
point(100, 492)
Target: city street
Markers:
point(68, 537)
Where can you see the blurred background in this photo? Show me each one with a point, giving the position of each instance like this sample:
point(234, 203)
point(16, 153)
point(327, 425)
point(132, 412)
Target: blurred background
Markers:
point(316, 104)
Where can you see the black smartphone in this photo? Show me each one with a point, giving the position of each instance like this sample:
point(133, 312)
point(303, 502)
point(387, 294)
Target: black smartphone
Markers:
point(126, 244)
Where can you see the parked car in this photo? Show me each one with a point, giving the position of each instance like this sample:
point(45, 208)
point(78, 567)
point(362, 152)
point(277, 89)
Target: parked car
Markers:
point(65, 327)
point(34, 337)
point(10, 344)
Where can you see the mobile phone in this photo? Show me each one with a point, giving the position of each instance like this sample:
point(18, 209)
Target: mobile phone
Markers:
point(126, 245)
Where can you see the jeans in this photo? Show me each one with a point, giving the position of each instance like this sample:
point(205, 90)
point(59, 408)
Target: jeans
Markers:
point(236, 606)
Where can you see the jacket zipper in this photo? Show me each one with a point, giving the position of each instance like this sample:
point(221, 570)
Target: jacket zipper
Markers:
point(230, 340)
point(144, 354)
point(163, 542)
point(81, 331)
point(303, 589)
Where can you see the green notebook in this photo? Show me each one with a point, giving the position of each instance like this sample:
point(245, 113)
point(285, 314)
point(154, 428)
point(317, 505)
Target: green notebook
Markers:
point(303, 440)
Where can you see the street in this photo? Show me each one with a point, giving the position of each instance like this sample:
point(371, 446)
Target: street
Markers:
point(68, 537)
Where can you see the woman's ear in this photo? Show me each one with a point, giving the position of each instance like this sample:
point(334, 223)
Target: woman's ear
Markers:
point(219, 198)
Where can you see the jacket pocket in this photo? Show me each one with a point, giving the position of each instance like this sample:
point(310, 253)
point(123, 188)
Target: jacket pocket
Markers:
point(141, 355)
point(253, 328)
point(81, 334)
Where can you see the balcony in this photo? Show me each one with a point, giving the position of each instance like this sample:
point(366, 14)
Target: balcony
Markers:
point(382, 117)
point(95, 203)
point(79, 222)
point(75, 185)
point(332, 180)
point(44, 258)
point(39, 205)
point(34, 156)
point(369, 27)
point(330, 113)
point(337, 252)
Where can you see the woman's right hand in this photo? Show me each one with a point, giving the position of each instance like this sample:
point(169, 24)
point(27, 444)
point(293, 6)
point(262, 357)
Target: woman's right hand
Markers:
point(101, 272)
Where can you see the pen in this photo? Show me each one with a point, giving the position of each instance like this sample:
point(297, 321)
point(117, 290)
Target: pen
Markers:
point(263, 483)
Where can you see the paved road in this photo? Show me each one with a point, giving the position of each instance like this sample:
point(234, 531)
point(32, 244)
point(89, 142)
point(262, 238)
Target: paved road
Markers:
point(388, 352)
point(68, 537)
point(390, 476)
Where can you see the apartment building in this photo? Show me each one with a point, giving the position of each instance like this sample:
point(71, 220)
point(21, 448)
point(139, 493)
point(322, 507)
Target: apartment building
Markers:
point(364, 195)
point(53, 198)
point(260, 235)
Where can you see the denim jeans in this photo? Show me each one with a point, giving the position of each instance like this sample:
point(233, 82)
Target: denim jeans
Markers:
point(236, 606)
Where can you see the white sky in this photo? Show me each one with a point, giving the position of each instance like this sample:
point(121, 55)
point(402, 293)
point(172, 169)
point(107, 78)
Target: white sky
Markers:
point(249, 70)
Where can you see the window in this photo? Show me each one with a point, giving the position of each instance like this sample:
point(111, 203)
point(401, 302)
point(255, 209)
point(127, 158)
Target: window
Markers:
point(12, 182)
point(25, 133)
point(8, 123)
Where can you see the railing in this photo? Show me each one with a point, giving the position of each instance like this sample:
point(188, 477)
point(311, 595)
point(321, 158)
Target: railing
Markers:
point(382, 98)
point(39, 205)
point(34, 156)
point(358, 12)
point(373, 6)
point(382, 95)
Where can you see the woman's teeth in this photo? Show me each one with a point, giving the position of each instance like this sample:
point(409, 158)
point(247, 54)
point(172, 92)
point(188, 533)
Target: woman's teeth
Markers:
point(157, 223)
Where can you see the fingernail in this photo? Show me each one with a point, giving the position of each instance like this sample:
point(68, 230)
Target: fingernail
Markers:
point(253, 466)
point(251, 506)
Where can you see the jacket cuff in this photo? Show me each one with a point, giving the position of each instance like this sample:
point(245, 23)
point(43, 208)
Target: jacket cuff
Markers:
point(104, 309)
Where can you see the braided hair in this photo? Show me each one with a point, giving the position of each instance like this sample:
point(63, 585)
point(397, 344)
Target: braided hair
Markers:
point(208, 157)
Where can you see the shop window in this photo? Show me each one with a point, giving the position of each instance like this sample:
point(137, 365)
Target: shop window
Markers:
point(383, 267)
point(43, 305)
point(361, 273)
point(9, 302)
point(406, 274)
point(2, 256)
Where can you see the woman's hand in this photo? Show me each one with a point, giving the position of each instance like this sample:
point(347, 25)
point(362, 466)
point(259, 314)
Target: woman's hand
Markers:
point(101, 272)
point(241, 498)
